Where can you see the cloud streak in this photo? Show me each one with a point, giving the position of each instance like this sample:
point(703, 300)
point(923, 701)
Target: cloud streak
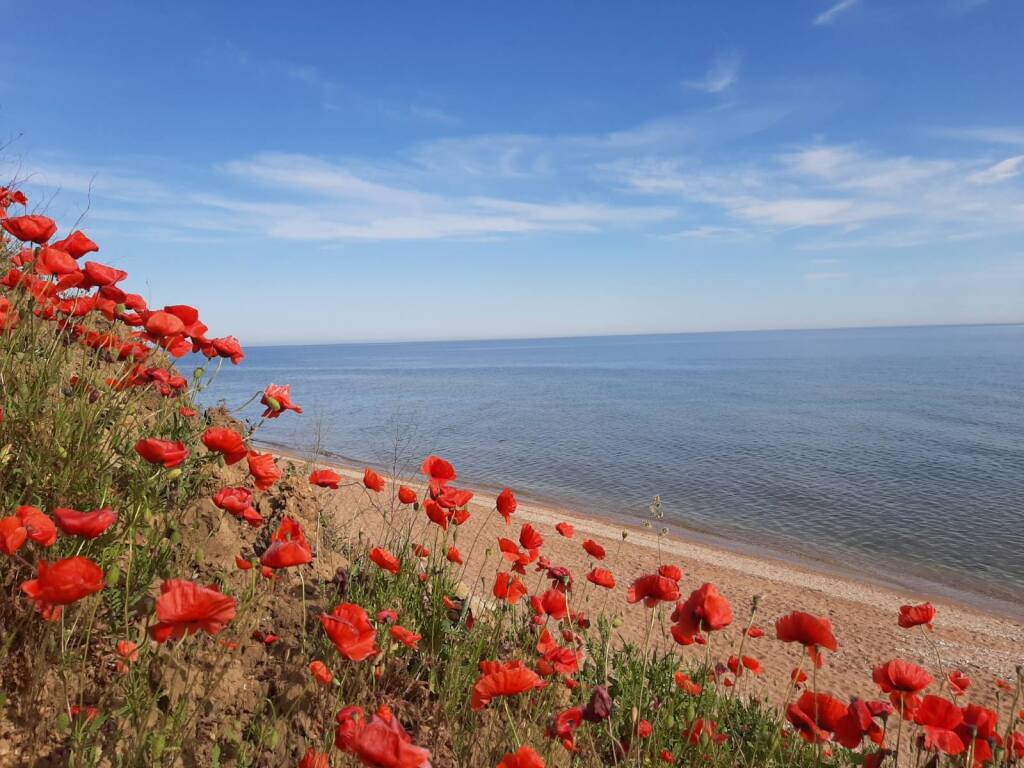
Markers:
point(672, 179)
point(723, 73)
point(829, 16)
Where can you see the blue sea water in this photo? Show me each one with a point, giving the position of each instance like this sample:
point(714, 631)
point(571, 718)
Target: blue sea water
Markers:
point(897, 453)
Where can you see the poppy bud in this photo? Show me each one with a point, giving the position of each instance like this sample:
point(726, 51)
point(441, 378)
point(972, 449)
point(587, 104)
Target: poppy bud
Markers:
point(174, 474)
point(198, 373)
point(616, 622)
point(340, 581)
point(5, 454)
point(113, 576)
point(624, 535)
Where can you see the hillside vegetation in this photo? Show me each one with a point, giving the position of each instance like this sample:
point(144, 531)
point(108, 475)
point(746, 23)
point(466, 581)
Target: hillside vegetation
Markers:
point(172, 596)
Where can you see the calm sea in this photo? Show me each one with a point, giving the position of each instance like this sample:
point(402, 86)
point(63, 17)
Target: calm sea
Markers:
point(897, 453)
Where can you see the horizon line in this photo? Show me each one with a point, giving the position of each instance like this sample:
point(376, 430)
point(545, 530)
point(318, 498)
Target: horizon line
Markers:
point(556, 337)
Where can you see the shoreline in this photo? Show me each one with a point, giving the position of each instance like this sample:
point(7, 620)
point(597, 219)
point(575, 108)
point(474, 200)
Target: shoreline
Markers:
point(793, 568)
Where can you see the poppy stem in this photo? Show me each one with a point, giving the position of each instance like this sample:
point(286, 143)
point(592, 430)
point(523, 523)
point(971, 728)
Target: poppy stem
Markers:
point(511, 722)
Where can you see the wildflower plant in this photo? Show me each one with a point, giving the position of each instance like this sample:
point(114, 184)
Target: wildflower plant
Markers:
point(423, 646)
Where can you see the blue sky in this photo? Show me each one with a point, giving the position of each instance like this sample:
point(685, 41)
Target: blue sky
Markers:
point(375, 170)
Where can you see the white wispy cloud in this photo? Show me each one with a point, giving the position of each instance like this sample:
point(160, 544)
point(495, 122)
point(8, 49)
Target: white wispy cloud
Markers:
point(1011, 135)
point(674, 179)
point(829, 15)
point(721, 75)
point(1001, 171)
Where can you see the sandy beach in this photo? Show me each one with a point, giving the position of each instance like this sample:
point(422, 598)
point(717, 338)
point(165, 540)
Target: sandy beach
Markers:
point(983, 645)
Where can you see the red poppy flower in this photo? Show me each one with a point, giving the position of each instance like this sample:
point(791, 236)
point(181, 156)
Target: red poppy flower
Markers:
point(858, 722)
point(88, 525)
point(243, 564)
point(9, 197)
point(810, 631)
point(939, 719)
point(451, 497)
point(551, 603)
point(12, 534)
point(512, 553)
point(38, 525)
point(278, 399)
point(755, 632)
point(602, 578)
point(263, 470)
point(555, 658)
point(406, 495)
point(288, 547)
point(529, 538)
point(652, 589)
point(915, 615)
point(705, 610)
point(564, 725)
point(670, 572)
point(384, 559)
point(314, 759)
point(372, 480)
point(565, 530)
point(77, 244)
point(170, 453)
point(454, 556)
point(506, 505)
point(325, 478)
point(30, 229)
point(185, 608)
point(379, 743)
point(163, 325)
point(509, 588)
point(979, 724)
point(404, 636)
point(594, 549)
point(815, 716)
point(686, 685)
point(321, 673)
point(100, 275)
point(958, 682)
point(1015, 748)
point(226, 442)
point(901, 677)
point(62, 583)
point(128, 652)
point(502, 679)
point(238, 501)
point(54, 261)
point(436, 514)
point(350, 630)
point(704, 729)
point(524, 757)
point(737, 665)
point(228, 347)
point(439, 471)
